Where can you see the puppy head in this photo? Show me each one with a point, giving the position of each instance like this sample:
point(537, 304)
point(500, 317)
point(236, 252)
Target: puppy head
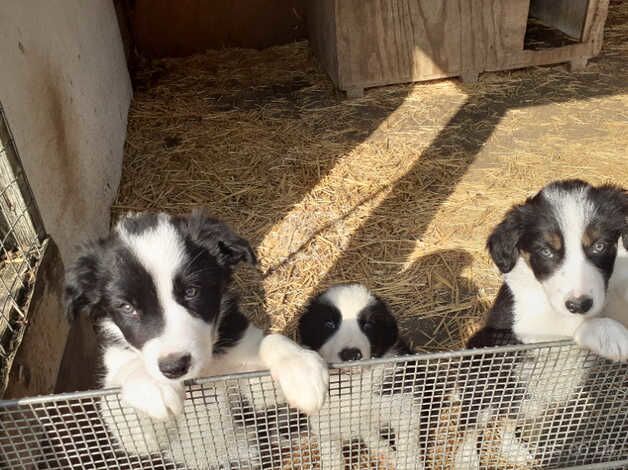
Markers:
point(347, 322)
point(567, 234)
point(156, 285)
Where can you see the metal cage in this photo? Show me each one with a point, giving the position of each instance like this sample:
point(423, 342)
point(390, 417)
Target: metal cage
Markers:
point(552, 406)
point(21, 248)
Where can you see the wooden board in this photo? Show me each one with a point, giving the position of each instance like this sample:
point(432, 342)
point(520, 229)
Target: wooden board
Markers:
point(567, 16)
point(162, 28)
point(321, 19)
point(365, 43)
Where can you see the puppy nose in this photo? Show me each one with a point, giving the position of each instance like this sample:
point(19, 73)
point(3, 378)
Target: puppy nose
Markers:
point(580, 304)
point(174, 366)
point(350, 354)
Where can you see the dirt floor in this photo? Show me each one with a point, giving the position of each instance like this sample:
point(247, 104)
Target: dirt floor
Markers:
point(398, 189)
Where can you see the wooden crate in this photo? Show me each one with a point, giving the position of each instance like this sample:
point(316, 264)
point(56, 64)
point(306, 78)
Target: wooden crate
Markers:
point(366, 43)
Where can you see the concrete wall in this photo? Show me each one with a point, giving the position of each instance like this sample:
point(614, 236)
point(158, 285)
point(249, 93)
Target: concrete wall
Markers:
point(66, 92)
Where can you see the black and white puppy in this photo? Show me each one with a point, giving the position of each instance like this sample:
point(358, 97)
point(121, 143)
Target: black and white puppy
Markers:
point(349, 323)
point(563, 257)
point(561, 254)
point(158, 288)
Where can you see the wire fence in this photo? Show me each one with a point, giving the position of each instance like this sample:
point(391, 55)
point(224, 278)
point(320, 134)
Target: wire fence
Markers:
point(21, 243)
point(519, 407)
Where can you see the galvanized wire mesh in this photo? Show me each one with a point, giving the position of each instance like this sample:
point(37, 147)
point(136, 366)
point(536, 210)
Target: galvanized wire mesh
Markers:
point(554, 407)
point(21, 236)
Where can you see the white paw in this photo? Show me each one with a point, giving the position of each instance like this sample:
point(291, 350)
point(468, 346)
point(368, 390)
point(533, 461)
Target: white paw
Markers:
point(605, 337)
point(512, 449)
point(158, 400)
point(467, 457)
point(304, 379)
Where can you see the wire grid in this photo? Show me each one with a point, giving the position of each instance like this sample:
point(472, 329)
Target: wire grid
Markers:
point(412, 412)
point(21, 246)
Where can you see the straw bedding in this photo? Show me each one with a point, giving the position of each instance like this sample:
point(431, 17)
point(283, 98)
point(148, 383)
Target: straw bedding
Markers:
point(397, 189)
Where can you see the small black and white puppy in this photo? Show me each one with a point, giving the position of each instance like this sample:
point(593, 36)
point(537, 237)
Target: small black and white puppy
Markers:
point(348, 323)
point(159, 289)
point(564, 262)
point(562, 255)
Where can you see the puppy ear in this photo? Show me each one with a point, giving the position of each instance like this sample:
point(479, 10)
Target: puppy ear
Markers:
point(619, 198)
point(502, 242)
point(83, 286)
point(226, 246)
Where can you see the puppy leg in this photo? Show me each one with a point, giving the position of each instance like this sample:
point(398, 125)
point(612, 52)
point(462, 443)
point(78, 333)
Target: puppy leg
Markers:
point(467, 457)
point(302, 374)
point(159, 400)
point(408, 451)
point(605, 337)
point(512, 449)
point(378, 446)
point(331, 457)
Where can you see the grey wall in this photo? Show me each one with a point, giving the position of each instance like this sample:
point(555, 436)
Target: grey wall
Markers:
point(66, 92)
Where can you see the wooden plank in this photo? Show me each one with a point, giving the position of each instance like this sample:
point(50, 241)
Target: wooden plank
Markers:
point(395, 41)
point(567, 16)
point(321, 20)
point(164, 28)
point(381, 42)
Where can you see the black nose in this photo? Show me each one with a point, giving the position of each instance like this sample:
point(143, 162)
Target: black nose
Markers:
point(174, 366)
point(580, 304)
point(350, 354)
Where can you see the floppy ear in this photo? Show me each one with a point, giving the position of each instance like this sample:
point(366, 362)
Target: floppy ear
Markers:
point(502, 242)
point(227, 247)
point(619, 198)
point(83, 283)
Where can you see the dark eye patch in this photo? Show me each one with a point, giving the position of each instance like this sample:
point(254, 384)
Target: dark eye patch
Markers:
point(132, 296)
point(379, 326)
point(199, 284)
point(318, 323)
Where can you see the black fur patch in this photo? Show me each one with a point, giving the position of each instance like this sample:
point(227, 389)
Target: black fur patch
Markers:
point(233, 325)
point(318, 323)
point(140, 223)
point(379, 326)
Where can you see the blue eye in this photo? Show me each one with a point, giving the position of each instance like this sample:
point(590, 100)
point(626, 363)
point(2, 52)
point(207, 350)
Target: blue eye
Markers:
point(191, 292)
point(599, 247)
point(330, 325)
point(545, 252)
point(127, 309)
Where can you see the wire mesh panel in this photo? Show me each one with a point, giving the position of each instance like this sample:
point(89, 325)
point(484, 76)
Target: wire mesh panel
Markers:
point(21, 236)
point(511, 407)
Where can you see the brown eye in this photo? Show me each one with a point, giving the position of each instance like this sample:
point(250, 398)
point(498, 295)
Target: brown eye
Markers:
point(191, 293)
point(599, 247)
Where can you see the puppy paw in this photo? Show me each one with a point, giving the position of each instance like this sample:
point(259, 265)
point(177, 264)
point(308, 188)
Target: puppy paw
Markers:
point(160, 401)
point(302, 374)
point(605, 337)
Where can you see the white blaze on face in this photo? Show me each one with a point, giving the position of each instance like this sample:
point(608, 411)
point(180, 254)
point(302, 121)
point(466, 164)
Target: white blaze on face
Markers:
point(350, 300)
point(161, 251)
point(577, 276)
